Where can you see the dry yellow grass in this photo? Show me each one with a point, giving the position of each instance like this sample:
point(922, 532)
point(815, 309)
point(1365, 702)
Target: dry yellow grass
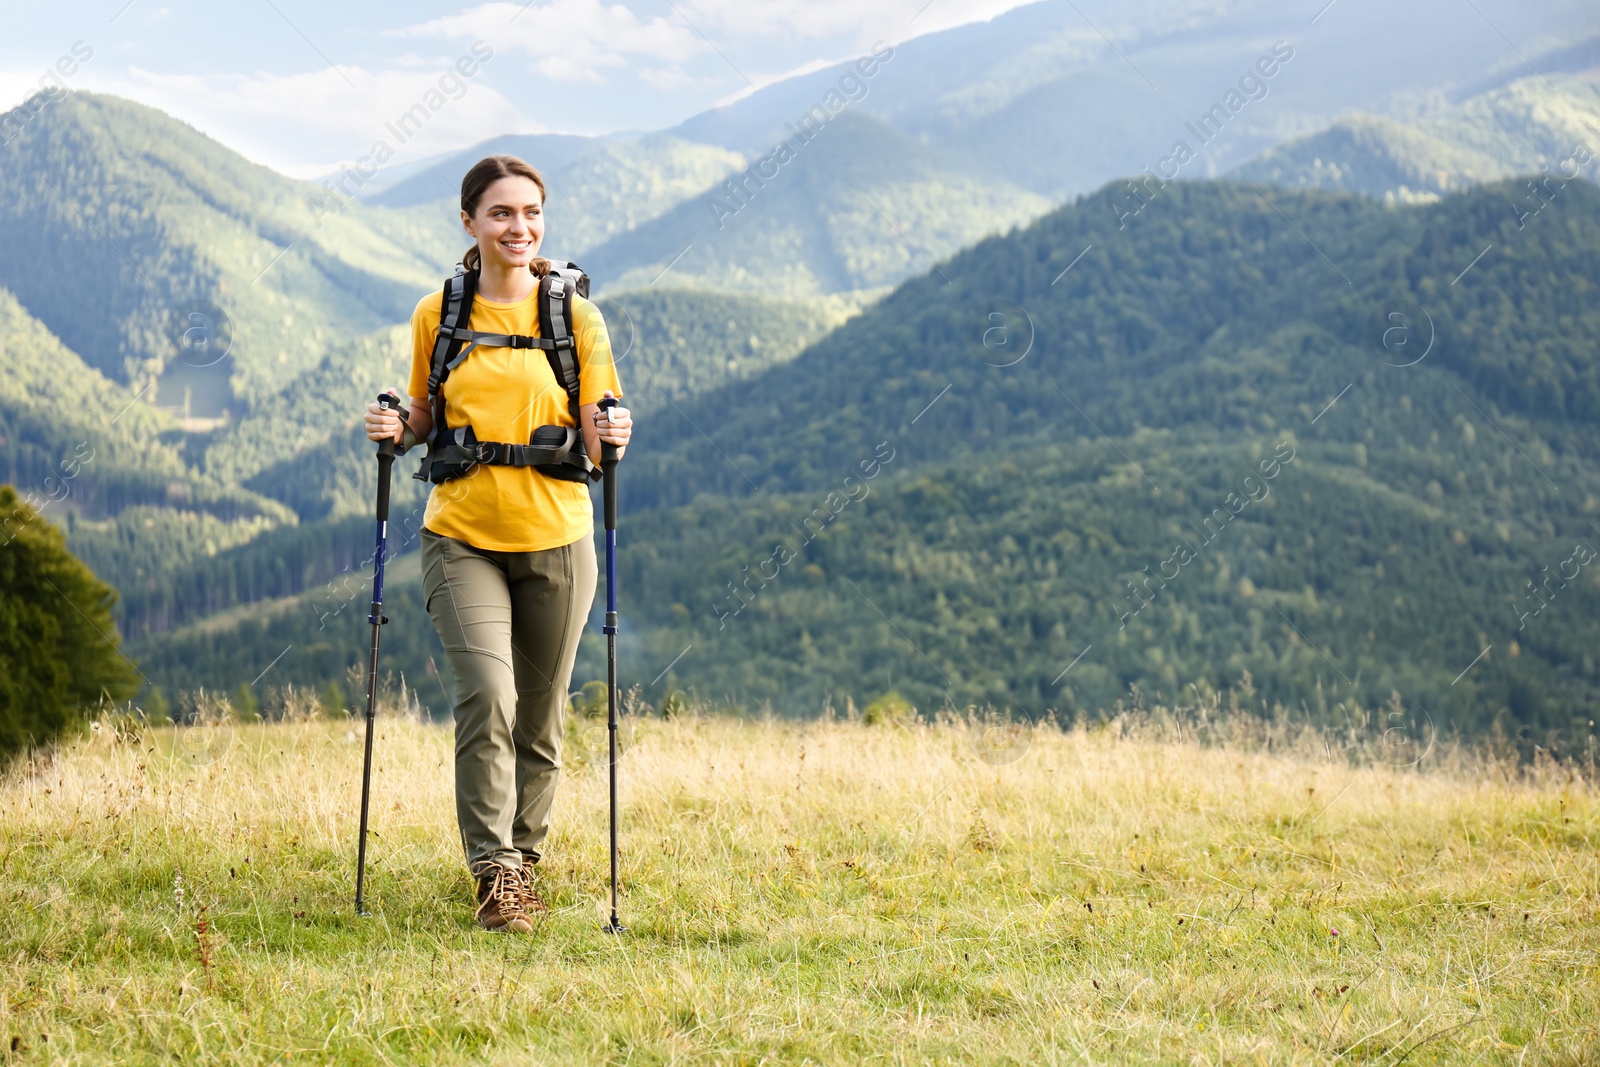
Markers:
point(822, 892)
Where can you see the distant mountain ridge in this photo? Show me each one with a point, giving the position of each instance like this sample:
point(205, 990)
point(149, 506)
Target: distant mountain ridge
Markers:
point(441, 180)
point(597, 187)
point(1044, 98)
point(1531, 126)
point(854, 205)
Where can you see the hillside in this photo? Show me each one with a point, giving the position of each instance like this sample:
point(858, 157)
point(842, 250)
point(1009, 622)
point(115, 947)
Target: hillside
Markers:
point(856, 206)
point(1421, 541)
point(51, 402)
point(1521, 128)
point(1405, 537)
point(1166, 315)
point(168, 218)
point(100, 461)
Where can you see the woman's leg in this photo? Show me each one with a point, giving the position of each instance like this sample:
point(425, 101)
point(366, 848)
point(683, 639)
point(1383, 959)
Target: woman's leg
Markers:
point(551, 593)
point(470, 604)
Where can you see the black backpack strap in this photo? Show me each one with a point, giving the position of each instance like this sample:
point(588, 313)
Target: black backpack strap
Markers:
point(449, 349)
point(550, 444)
point(474, 338)
point(555, 323)
point(553, 451)
point(455, 313)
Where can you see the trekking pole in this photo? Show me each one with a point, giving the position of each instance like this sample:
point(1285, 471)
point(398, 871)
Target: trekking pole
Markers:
point(387, 401)
point(608, 467)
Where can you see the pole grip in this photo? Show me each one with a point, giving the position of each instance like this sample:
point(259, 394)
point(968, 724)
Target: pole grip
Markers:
point(608, 468)
point(388, 402)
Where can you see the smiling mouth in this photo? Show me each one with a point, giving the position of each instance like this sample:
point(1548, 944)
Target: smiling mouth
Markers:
point(517, 246)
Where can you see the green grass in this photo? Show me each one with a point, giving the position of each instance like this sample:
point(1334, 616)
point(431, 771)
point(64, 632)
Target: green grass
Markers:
point(825, 892)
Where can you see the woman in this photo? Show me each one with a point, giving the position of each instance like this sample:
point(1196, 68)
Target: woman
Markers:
point(508, 557)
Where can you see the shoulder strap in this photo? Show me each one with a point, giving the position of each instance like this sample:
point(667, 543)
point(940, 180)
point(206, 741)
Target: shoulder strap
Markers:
point(455, 312)
point(555, 325)
point(556, 290)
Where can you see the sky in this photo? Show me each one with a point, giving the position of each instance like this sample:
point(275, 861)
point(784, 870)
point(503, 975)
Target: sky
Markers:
point(303, 86)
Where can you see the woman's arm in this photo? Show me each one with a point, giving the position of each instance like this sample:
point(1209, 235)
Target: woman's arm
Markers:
point(596, 429)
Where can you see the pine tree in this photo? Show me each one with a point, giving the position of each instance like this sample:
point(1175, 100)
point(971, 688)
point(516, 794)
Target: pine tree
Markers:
point(58, 642)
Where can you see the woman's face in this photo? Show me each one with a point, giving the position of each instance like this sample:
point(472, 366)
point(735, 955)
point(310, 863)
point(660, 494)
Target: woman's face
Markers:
point(510, 222)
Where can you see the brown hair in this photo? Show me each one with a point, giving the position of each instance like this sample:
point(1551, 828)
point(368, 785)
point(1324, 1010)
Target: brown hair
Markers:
point(483, 174)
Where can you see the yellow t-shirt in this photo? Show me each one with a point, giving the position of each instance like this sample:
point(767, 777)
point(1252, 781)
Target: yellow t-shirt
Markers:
point(503, 394)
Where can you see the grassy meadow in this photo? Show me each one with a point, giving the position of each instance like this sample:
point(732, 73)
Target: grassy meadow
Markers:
point(1163, 889)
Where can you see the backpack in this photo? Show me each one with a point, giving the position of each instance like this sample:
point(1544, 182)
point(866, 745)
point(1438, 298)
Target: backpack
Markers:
point(556, 451)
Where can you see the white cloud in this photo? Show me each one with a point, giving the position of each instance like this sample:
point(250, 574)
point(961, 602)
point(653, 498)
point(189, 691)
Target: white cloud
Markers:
point(569, 40)
point(316, 114)
point(676, 79)
point(862, 21)
point(297, 121)
point(580, 41)
point(16, 86)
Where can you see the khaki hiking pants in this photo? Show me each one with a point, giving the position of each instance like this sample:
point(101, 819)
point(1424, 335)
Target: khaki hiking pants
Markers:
point(509, 623)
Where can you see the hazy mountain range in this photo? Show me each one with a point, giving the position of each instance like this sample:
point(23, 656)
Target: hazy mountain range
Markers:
point(1528, 127)
point(1043, 98)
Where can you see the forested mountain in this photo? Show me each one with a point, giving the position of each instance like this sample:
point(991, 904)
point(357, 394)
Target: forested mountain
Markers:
point(162, 218)
point(1192, 272)
point(854, 205)
point(51, 402)
point(1522, 128)
point(1126, 446)
point(1419, 513)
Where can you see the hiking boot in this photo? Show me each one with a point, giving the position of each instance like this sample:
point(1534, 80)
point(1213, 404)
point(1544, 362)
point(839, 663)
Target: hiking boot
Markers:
point(528, 893)
point(500, 898)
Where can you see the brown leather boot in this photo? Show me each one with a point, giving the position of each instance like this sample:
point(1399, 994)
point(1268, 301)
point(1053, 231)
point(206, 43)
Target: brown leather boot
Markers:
point(500, 898)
